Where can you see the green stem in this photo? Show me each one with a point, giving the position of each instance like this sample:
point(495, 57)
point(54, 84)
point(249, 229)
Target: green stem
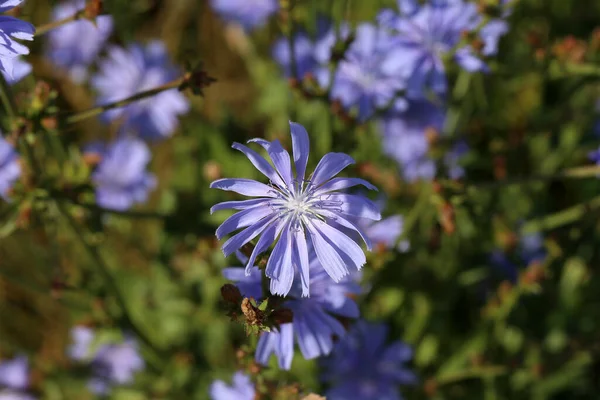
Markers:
point(561, 218)
point(415, 213)
point(55, 24)
point(6, 98)
point(107, 276)
point(591, 171)
point(92, 112)
point(128, 214)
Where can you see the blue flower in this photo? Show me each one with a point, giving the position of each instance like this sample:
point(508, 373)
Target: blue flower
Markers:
point(242, 388)
point(10, 29)
point(430, 32)
point(362, 366)
point(10, 169)
point(405, 140)
point(293, 212)
point(75, 45)
point(21, 69)
point(14, 373)
point(384, 234)
point(121, 179)
point(248, 13)
point(112, 364)
point(311, 56)
point(372, 74)
point(313, 322)
point(14, 378)
point(133, 70)
point(595, 156)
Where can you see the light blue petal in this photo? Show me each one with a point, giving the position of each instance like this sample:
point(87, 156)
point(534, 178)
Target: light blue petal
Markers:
point(281, 160)
point(358, 206)
point(328, 257)
point(261, 164)
point(329, 166)
point(243, 219)
point(301, 149)
point(343, 183)
point(237, 241)
point(247, 187)
point(237, 205)
point(279, 267)
point(300, 259)
point(342, 244)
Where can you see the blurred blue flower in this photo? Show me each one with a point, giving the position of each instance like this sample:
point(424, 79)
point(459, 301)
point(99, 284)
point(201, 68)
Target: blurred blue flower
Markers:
point(312, 56)
point(21, 69)
point(595, 156)
point(75, 45)
point(14, 379)
point(10, 29)
point(121, 178)
point(430, 32)
point(248, 13)
point(313, 322)
point(111, 364)
point(362, 366)
point(242, 388)
point(129, 71)
point(14, 373)
point(385, 233)
point(10, 169)
point(291, 210)
point(405, 139)
point(372, 74)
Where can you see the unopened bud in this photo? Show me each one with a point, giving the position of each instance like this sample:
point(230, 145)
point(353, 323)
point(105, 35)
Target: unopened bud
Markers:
point(283, 316)
point(231, 294)
point(93, 9)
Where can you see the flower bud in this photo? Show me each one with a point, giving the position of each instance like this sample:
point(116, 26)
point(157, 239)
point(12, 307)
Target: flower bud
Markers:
point(231, 294)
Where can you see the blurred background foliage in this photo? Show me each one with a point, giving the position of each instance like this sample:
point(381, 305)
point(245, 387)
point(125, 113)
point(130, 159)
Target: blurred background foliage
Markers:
point(476, 334)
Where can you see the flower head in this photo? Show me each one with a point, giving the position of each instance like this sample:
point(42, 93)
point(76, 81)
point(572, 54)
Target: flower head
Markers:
point(75, 45)
point(372, 74)
point(10, 29)
point(121, 179)
point(128, 71)
point(362, 366)
point(430, 32)
point(10, 169)
point(314, 319)
point(241, 388)
point(294, 211)
point(248, 13)
point(112, 364)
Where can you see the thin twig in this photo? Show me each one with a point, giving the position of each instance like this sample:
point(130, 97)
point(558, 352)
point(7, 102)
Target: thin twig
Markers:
point(92, 112)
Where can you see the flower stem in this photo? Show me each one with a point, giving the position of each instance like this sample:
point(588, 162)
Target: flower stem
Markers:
point(6, 98)
point(108, 277)
point(92, 112)
point(55, 24)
